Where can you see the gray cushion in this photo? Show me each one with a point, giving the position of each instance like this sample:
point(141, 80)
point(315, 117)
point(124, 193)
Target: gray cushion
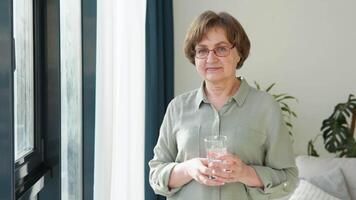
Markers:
point(333, 183)
point(309, 166)
point(308, 191)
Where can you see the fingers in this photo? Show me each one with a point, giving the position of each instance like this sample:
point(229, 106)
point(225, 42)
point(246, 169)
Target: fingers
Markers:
point(219, 177)
point(223, 168)
point(205, 171)
point(229, 163)
point(229, 158)
point(204, 161)
point(220, 165)
point(223, 174)
point(203, 177)
point(229, 170)
point(209, 181)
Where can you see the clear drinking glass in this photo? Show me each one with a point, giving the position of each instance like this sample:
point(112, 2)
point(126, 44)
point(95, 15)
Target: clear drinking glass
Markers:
point(215, 146)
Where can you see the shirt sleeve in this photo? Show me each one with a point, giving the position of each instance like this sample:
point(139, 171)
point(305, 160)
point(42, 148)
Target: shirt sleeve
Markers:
point(279, 173)
point(165, 153)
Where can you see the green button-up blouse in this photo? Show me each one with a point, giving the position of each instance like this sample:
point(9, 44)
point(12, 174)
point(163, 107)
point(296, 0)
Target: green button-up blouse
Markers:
point(253, 124)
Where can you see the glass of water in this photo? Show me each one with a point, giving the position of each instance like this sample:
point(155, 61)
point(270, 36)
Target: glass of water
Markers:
point(215, 146)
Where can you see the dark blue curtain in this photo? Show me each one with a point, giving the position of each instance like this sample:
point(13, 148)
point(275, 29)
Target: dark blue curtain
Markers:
point(89, 8)
point(159, 75)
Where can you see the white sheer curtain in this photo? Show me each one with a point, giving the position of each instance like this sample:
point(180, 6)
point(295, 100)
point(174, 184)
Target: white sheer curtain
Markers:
point(120, 96)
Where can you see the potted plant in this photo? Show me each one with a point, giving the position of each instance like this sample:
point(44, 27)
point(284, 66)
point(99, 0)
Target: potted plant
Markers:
point(283, 99)
point(338, 129)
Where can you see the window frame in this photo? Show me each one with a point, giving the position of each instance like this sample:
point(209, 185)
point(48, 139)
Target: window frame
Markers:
point(47, 93)
point(31, 168)
point(89, 16)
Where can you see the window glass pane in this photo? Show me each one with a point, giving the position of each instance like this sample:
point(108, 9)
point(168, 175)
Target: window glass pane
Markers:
point(71, 99)
point(23, 77)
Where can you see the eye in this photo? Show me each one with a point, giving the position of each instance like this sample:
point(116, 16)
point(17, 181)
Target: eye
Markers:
point(221, 50)
point(202, 51)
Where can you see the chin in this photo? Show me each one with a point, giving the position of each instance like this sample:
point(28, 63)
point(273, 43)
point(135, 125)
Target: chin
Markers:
point(213, 78)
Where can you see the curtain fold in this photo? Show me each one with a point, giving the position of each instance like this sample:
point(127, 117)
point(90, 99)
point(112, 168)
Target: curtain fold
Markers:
point(120, 100)
point(159, 75)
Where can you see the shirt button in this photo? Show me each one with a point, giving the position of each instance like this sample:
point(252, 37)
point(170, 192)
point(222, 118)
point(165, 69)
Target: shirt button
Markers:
point(285, 185)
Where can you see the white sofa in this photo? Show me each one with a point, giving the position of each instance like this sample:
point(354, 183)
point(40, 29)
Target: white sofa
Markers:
point(333, 176)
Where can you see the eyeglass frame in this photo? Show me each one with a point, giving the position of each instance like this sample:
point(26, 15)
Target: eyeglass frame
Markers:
point(214, 51)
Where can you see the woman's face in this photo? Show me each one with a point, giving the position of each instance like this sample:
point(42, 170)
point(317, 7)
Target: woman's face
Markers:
point(213, 68)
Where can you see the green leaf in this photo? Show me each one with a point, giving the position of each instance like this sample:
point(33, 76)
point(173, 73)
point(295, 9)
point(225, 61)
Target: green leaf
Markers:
point(348, 149)
point(289, 124)
point(285, 109)
point(257, 86)
point(311, 149)
point(294, 114)
point(335, 134)
point(284, 104)
point(285, 97)
point(276, 96)
point(270, 87)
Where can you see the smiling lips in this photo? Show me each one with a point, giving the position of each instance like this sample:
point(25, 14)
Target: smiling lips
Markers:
point(213, 69)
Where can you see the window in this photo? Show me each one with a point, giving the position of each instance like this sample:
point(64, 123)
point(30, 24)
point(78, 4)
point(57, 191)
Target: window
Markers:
point(47, 87)
point(23, 78)
point(28, 143)
point(71, 100)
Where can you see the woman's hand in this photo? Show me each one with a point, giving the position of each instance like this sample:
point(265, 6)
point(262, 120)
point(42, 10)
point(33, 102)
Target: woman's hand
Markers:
point(230, 169)
point(233, 169)
point(197, 169)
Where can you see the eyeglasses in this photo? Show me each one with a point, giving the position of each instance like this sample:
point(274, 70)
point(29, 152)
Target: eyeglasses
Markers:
point(221, 51)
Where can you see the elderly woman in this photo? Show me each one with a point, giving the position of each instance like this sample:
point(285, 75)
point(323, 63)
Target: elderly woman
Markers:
point(260, 161)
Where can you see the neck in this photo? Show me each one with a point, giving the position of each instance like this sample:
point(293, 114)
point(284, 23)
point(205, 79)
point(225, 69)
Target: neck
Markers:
point(222, 89)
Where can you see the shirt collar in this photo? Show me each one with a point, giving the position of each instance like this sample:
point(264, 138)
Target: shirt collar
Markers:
point(239, 96)
point(242, 92)
point(201, 97)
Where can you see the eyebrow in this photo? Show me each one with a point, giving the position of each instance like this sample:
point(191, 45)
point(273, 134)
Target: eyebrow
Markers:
point(217, 44)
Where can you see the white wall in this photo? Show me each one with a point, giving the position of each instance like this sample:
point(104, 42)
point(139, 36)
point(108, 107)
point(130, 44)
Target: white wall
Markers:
point(306, 46)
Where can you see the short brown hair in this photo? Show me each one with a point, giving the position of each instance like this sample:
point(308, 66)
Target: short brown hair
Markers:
point(209, 19)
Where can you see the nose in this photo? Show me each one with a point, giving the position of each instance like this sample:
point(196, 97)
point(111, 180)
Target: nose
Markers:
point(211, 57)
